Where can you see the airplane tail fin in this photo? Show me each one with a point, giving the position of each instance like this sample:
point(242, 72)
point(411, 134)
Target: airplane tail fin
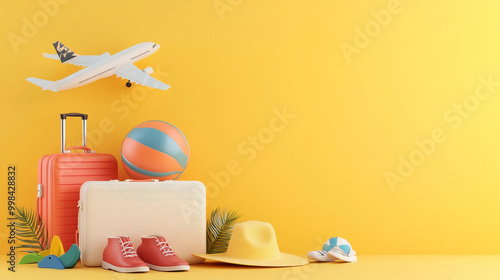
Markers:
point(44, 84)
point(64, 53)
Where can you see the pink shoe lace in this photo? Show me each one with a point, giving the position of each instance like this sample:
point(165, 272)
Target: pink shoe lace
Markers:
point(127, 249)
point(165, 248)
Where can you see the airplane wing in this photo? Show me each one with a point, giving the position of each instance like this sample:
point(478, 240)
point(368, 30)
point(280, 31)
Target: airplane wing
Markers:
point(81, 60)
point(136, 75)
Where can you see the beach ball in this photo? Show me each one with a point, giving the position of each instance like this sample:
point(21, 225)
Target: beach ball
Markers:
point(155, 150)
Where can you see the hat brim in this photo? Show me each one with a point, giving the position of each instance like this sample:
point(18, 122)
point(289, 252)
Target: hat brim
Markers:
point(285, 260)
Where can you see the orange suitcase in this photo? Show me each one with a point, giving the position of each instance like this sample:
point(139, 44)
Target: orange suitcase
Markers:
point(60, 177)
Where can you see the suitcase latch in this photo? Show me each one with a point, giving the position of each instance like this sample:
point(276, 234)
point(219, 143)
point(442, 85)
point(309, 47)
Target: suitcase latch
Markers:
point(39, 190)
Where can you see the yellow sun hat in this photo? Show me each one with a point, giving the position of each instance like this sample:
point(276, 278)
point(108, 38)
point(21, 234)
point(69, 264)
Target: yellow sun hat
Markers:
point(254, 243)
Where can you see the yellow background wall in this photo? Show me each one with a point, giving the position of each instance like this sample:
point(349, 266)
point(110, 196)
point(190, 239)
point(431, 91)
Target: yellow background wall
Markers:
point(392, 136)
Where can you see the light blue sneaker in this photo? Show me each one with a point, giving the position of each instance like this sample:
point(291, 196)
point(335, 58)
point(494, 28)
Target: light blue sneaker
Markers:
point(339, 249)
point(320, 256)
point(343, 252)
point(335, 248)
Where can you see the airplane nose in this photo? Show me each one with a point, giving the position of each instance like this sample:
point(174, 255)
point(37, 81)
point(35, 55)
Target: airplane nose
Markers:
point(157, 46)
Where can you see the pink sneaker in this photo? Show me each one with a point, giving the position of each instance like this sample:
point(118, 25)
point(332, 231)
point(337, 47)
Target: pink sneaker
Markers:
point(158, 255)
point(120, 256)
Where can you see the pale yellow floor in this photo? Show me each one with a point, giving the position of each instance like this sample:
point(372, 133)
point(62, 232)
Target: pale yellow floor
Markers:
point(442, 267)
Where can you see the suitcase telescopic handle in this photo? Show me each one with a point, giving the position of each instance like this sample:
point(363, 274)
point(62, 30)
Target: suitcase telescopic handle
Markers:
point(63, 128)
point(83, 116)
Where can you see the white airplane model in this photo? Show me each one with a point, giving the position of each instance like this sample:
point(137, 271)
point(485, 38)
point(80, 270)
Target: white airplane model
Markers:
point(101, 66)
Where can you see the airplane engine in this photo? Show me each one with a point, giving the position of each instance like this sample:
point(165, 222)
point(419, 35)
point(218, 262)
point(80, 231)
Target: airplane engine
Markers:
point(148, 70)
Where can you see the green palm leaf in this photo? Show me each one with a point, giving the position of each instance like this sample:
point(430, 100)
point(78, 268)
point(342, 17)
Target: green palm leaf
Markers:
point(219, 229)
point(30, 231)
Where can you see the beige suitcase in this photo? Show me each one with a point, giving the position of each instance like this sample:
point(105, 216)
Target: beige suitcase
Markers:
point(173, 209)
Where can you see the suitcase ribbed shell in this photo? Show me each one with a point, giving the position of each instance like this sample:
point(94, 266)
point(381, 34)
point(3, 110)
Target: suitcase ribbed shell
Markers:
point(61, 176)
